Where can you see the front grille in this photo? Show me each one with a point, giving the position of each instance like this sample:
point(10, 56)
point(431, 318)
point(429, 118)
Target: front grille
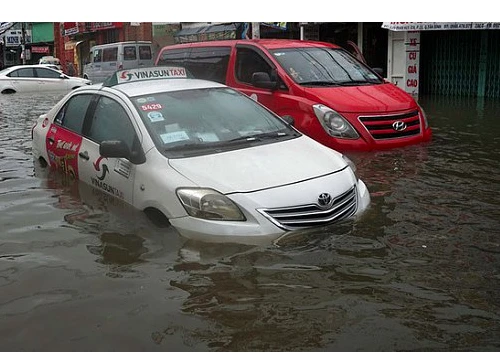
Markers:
point(381, 126)
point(303, 216)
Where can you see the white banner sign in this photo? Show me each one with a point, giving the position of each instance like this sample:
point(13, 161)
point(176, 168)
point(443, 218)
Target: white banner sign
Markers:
point(14, 37)
point(416, 26)
point(412, 47)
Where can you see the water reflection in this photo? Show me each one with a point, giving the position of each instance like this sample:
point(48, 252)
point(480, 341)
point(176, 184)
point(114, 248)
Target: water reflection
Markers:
point(119, 249)
point(418, 271)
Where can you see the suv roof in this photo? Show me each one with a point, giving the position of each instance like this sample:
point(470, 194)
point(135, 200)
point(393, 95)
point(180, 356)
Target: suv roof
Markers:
point(267, 43)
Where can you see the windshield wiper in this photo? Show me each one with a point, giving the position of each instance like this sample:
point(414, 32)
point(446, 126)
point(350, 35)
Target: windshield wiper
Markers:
point(320, 83)
point(261, 136)
point(189, 146)
point(358, 82)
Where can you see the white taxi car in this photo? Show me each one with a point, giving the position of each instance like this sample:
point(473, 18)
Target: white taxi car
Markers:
point(212, 161)
point(37, 78)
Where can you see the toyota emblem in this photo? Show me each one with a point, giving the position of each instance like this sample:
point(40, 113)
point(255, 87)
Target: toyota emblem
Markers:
point(324, 200)
point(398, 125)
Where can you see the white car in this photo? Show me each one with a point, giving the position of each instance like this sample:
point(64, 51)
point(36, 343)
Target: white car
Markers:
point(213, 162)
point(37, 78)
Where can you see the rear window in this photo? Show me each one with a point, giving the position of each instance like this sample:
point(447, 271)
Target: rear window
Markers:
point(23, 73)
point(172, 57)
point(145, 53)
point(209, 63)
point(129, 53)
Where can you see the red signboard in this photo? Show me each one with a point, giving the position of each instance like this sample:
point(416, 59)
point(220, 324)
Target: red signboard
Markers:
point(70, 28)
point(105, 25)
point(40, 49)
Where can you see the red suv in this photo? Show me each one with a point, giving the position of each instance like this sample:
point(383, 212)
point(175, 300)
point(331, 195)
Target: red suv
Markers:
point(320, 87)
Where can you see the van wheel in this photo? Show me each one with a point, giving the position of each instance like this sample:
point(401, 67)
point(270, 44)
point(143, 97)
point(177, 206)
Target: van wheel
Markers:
point(157, 217)
point(8, 91)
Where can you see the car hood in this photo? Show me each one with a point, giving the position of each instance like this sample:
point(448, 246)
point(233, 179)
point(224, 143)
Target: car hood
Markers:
point(261, 167)
point(362, 99)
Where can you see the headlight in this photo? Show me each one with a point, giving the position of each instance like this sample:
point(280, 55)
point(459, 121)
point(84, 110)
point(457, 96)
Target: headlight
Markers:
point(351, 165)
point(209, 204)
point(334, 123)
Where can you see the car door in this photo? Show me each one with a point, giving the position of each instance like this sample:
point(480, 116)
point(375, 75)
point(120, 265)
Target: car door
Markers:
point(249, 60)
point(145, 56)
point(109, 62)
point(24, 80)
point(64, 137)
point(129, 56)
point(51, 80)
point(94, 68)
point(110, 120)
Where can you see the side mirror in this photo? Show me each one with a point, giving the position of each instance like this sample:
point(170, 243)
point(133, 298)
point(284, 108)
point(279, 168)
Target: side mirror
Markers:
point(118, 149)
point(114, 149)
point(262, 80)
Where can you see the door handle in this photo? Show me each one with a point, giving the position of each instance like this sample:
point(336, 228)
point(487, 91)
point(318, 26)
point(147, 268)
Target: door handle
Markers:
point(84, 155)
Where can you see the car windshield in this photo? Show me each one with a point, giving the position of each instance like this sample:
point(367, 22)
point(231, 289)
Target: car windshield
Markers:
point(201, 121)
point(322, 66)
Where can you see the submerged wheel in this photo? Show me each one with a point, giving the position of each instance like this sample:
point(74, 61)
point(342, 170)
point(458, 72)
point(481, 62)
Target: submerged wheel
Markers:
point(157, 217)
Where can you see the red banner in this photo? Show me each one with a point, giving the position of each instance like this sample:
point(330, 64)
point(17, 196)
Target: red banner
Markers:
point(40, 49)
point(70, 28)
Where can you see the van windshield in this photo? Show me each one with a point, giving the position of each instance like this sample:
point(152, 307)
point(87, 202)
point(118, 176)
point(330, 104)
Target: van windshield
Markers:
point(202, 121)
point(323, 66)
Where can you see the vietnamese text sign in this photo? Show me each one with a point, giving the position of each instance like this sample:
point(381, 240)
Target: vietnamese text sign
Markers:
point(412, 48)
point(418, 26)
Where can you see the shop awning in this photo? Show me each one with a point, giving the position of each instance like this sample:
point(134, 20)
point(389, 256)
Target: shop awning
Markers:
point(419, 26)
point(209, 32)
point(4, 26)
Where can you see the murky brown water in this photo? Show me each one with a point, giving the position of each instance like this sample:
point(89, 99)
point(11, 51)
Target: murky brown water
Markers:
point(419, 272)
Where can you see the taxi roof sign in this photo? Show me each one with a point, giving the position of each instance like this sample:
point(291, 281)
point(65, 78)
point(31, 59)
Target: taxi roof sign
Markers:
point(150, 73)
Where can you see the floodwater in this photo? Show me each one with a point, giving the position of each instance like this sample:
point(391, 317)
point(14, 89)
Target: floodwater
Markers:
point(420, 271)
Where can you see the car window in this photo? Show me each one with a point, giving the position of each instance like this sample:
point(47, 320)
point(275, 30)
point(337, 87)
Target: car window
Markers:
point(172, 57)
point(110, 54)
point(209, 63)
point(145, 53)
point(248, 62)
point(72, 115)
point(111, 122)
point(97, 55)
point(129, 53)
point(23, 73)
point(47, 73)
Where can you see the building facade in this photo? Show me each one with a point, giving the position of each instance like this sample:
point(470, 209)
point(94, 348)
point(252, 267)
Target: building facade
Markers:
point(73, 40)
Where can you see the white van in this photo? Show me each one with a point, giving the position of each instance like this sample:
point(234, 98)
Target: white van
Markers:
point(106, 59)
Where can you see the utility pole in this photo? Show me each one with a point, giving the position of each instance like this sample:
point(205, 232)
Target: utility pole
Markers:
point(23, 42)
point(255, 30)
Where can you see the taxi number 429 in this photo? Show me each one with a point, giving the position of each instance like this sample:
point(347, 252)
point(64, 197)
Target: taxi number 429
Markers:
point(148, 107)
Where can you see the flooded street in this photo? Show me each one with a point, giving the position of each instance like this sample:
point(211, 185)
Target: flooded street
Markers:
point(420, 271)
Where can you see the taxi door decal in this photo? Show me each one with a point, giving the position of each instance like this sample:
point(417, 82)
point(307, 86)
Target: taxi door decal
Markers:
point(104, 168)
point(62, 148)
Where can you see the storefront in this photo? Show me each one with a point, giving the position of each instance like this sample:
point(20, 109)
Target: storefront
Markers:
point(451, 58)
